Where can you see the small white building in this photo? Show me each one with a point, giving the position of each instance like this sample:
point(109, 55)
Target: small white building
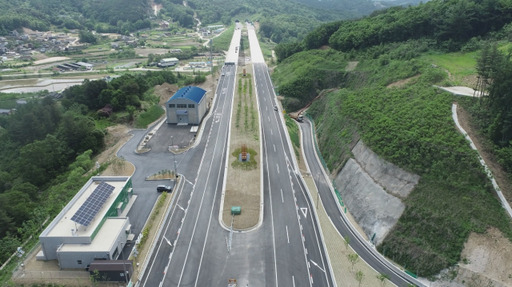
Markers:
point(168, 62)
point(92, 226)
point(85, 66)
point(195, 65)
point(187, 106)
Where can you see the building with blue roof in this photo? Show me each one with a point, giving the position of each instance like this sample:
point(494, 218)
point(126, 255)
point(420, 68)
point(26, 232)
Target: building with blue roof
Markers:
point(187, 106)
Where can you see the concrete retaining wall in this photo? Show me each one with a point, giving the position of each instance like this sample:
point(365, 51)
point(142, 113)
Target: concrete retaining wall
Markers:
point(371, 188)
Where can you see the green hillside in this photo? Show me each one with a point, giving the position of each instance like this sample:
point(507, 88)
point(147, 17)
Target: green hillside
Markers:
point(103, 16)
point(279, 21)
point(390, 102)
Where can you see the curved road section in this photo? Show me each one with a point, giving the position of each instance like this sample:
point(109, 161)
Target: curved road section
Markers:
point(340, 221)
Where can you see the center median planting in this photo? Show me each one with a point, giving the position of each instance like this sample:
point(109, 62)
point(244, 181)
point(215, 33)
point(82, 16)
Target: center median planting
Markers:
point(243, 175)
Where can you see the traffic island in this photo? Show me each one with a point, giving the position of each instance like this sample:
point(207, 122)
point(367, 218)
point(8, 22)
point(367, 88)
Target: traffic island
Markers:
point(243, 186)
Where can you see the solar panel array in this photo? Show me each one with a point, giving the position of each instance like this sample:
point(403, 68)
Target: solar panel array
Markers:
point(86, 213)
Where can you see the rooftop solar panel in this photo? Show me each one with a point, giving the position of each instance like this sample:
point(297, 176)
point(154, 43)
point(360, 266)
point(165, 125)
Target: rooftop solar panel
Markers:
point(86, 213)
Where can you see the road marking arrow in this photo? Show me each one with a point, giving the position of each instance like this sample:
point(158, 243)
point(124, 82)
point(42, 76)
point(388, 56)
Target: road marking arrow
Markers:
point(304, 211)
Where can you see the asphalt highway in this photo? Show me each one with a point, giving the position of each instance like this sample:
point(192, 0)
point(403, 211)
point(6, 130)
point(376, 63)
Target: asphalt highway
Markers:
point(286, 249)
point(195, 250)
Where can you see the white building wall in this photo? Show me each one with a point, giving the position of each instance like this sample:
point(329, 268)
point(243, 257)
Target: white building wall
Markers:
point(195, 114)
point(73, 259)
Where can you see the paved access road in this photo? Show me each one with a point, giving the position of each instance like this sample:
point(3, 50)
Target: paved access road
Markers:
point(344, 227)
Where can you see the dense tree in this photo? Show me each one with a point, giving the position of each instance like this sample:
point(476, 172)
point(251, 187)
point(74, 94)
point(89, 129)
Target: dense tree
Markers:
point(500, 102)
point(320, 36)
point(450, 22)
point(79, 133)
point(87, 37)
point(91, 93)
point(34, 121)
point(42, 160)
point(74, 14)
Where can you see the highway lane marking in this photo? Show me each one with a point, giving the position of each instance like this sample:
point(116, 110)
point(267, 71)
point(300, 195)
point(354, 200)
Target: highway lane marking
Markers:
point(293, 280)
point(273, 226)
point(277, 168)
point(314, 263)
point(318, 242)
point(274, 147)
point(208, 169)
point(168, 224)
point(282, 197)
point(287, 236)
point(223, 155)
point(272, 133)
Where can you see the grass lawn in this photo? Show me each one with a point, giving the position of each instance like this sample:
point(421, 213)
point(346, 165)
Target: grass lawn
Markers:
point(458, 64)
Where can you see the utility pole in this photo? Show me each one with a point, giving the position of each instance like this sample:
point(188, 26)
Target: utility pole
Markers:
point(174, 159)
point(317, 195)
point(211, 55)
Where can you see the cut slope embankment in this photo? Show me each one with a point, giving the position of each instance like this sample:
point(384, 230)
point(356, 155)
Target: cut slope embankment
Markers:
point(372, 189)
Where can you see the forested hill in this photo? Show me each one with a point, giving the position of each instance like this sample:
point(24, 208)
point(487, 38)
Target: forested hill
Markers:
point(374, 79)
point(283, 20)
point(449, 24)
point(74, 14)
point(356, 8)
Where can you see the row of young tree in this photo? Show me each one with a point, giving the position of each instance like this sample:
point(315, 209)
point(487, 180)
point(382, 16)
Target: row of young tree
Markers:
point(450, 24)
point(43, 139)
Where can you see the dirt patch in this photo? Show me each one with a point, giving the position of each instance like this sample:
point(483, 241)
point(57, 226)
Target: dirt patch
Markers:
point(351, 66)
point(489, 255)
point(401, 83)
point(485, 263)
point(116, 137)
point(50, 60)
point(164, 92)
point(470, 81)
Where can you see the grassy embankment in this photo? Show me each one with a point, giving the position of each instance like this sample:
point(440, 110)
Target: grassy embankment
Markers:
point(410, 126)
point(222, 42)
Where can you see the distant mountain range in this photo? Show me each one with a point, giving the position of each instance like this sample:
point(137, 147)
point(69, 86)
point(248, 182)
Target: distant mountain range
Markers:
point(359, 7)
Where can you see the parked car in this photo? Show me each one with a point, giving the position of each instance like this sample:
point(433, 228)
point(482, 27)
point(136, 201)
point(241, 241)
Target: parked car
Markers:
point(162, 188)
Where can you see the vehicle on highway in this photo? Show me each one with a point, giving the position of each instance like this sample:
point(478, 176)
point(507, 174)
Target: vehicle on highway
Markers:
point(300, 118)
point(275, 108)
point(166, 188)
